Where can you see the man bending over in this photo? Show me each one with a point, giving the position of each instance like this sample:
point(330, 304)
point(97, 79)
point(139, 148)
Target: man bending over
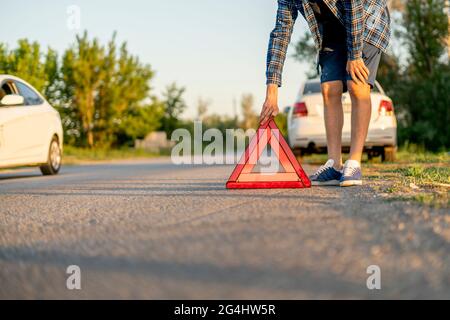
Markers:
point(350, 36)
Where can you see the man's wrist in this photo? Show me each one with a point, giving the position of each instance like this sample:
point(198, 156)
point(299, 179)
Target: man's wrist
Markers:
point(354, 55)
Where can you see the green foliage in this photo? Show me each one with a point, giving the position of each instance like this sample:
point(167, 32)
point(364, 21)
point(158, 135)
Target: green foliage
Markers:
point(219, 122)
point(416, 153)
point(30, 63)
point(389, 74)
point(174, 106)
point(426, 31)
point(138, 122)
point(426, 102)
point(250, 118)
point(305, 52)
point(76, 155)
point(109, 93)
point(421, 174)
point(422, 94)
point(281, 122)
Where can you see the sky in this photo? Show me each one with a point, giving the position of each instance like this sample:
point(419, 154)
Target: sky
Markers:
point(215, 49)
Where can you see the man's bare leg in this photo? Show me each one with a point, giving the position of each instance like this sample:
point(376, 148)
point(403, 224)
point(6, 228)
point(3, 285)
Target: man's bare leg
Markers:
point(334, 119)
point(361, 113)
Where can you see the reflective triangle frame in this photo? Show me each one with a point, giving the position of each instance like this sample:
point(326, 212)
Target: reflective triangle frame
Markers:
point(293, 177)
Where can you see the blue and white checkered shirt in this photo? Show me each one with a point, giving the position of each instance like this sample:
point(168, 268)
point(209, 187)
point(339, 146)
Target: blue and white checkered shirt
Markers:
point(364, 20)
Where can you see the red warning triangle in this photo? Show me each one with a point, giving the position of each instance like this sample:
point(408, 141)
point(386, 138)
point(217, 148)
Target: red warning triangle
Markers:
point(293, 175)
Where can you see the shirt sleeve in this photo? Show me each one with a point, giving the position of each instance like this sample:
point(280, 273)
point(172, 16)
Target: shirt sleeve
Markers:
point(354, 25)
point(279, 41)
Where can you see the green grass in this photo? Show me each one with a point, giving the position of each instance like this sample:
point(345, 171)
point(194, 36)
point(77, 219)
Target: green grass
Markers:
point(422, 175)
point(74, 155)
point(417, 175)
point(422, 178)
point(415, 154)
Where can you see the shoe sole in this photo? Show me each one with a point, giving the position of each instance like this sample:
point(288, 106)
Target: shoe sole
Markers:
point(329, 183)
point(351, 183)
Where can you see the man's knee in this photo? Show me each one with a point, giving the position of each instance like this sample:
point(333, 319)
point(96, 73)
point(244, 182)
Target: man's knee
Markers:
point(332, 90)
point(358, 90)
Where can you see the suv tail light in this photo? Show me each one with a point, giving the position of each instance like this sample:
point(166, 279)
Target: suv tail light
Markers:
point(300, 110)
point(386, 108)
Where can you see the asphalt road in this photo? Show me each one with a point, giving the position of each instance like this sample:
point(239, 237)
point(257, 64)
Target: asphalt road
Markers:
point(152, 230)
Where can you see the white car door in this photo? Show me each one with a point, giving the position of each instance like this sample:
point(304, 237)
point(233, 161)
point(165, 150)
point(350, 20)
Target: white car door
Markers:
point(36, 122)
point(13, 144)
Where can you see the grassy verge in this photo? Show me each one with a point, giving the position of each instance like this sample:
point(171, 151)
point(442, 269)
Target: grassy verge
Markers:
point(74, 155)
point(426, 183)
point(416, 175)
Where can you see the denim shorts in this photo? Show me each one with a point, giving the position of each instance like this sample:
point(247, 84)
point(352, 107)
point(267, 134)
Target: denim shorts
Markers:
point(333, 64)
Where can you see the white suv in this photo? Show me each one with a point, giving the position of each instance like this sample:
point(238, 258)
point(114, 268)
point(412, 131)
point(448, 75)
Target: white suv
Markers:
point(306, 127)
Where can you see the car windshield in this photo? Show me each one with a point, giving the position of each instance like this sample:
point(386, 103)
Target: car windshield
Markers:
point(312, 88)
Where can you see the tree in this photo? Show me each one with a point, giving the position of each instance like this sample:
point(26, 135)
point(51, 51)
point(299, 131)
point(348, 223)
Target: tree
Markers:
point(426, 23)
point(30, 63)
point(124, 96)
point(202, 108)
point(174, 106)
point(305, 52)
point(389, 74)
point(250, 117)
point(84, 71)
point(423, 93)
point(139, 121)
point(106, 89)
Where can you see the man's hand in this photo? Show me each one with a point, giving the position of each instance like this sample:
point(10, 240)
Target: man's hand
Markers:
point(270, 107)
point(358, 70)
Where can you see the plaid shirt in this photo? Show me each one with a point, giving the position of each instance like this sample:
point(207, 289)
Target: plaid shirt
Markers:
point(364, 20)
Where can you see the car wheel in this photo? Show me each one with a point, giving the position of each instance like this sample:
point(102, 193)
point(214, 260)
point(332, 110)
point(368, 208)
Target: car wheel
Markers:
point(388, 154)
point(53, 160)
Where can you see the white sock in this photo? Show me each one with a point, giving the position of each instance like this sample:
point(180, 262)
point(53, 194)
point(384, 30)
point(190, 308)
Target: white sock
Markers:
point(352, 164)
point(329, 163)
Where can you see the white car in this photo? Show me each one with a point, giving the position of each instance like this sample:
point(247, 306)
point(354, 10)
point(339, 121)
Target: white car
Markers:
point(31, 133)
point(306, 127)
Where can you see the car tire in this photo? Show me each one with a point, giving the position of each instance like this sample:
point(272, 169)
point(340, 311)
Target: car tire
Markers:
point(54, 157)
point(388, 154)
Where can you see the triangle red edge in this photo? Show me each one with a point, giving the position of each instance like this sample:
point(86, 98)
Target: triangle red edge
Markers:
point(244, 159)
point(304, 180)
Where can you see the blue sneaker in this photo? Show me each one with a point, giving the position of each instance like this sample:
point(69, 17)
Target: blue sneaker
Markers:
point(326, 175)
point(351, 175)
